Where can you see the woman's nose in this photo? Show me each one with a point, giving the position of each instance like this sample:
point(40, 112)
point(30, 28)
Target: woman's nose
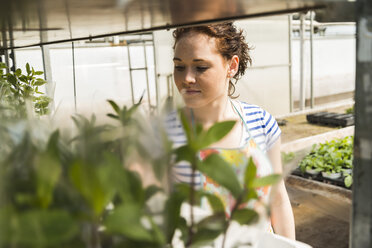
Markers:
point(189, 76)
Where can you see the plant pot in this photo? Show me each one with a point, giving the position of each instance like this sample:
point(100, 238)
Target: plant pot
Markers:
point(331, 175)
point(347, 171)
point(312, 172)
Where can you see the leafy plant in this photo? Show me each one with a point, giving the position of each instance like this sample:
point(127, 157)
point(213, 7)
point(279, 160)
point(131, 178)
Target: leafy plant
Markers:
point(331, 157)
point(61, 191)
point(287, 157)
point(218, 170)
point(16, 89)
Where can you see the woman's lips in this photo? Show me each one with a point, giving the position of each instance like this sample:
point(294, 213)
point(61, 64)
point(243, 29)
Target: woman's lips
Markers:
point(189, 91)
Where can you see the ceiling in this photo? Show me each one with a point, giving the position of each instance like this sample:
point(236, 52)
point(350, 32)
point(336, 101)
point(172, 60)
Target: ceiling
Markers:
point(34, 22)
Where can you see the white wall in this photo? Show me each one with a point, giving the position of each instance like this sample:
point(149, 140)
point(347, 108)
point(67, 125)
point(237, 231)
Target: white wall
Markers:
point(266, 83)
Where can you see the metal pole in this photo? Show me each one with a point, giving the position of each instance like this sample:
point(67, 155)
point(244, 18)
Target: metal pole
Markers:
point(302, 61)
point(147, 75)
point(130, 74)
point(361, 224)
point(49, 87)
point(168, 86)
point(290, 62)
point(5, 49)
point(45, 52)
point(74, 73)
point(156, 74)
point(11, 40)
point(311, 60)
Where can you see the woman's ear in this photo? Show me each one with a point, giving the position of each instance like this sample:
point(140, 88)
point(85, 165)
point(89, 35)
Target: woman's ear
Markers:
point(234, 66)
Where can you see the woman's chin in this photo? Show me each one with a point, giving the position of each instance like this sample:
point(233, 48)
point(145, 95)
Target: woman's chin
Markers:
point(192, 103)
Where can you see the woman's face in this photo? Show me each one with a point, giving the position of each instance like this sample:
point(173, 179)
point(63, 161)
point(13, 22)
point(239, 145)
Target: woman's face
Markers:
point(200, 71)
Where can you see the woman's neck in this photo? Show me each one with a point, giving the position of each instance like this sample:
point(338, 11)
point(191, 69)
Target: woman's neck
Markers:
point(216, 111)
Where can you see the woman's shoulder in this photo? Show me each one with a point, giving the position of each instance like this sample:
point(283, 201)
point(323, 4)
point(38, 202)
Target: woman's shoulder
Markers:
point(251, 110)
point(260, 123)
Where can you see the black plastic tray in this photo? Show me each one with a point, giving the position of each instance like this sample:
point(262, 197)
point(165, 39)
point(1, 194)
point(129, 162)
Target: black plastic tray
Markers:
point(332, 119)
point(320, 178)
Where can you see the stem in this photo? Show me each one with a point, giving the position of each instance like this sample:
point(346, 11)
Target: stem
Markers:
point(95, 240)
point(192, 201)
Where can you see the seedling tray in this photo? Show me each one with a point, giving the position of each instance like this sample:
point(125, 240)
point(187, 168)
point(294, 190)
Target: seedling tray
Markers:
point(332, 119)
point(338, 182)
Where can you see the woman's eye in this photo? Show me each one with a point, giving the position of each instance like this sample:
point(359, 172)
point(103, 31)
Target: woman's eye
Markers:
point(179, 68)
point(202, 68)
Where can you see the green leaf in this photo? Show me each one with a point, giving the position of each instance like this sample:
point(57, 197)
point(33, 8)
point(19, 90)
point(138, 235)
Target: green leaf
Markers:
point(39, 82)
point(209, 229)
point(186, 127)
point(28, 69)
point(90, 182)
point(126, 220)
point(216, 221)
point(39, 73)
point(250, 194)
point(113, 116)
point(23, 78)
point(198, 129)
point(114, 106)
point(215, 167)
point(215, 133)
point(245, 216)
point(215, 202)
point(348, 181)
point(48, 172)
point(18, 72)
point(184, 153)
point(172, 214)
point(12, 79)
point(204, 237)
point(266, 180)
point(125, 182)
point(41, 228)
point(157, 233)
point(151, 191)
point(250, 173)
point(135, 187)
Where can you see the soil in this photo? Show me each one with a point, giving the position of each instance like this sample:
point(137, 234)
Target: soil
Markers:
point(297, 126)
point(320, 230)
point(321, 212)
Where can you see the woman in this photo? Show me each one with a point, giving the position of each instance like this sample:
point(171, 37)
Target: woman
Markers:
point(206, 59)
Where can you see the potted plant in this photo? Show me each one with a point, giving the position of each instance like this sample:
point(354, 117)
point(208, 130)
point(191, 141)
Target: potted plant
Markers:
point(332, 158)
point(20, 92)
point(311, 165)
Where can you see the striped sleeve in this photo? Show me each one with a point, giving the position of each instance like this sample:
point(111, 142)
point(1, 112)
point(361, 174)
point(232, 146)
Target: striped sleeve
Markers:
point(181, 171)
point(271, 129)
point(174, 130)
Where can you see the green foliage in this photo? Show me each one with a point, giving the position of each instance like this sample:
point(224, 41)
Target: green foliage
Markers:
point(57, 191)
point(331, 157)
point(348, 180)
point(287, 157)
point(350, 110)
point(16, 89)
point(215, 167)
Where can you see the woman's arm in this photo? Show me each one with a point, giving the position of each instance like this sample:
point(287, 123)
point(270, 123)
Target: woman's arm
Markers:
point(281, 210)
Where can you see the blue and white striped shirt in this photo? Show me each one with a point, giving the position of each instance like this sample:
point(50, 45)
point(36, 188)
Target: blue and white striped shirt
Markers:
point(261, 124)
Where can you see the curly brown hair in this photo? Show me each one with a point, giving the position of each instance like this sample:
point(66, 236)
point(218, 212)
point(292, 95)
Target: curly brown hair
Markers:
point(230, 42)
